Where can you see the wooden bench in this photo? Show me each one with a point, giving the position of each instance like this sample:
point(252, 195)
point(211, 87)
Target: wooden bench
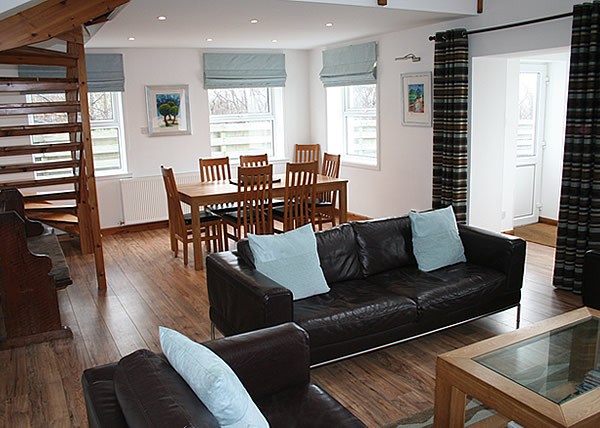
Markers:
point(32, 266)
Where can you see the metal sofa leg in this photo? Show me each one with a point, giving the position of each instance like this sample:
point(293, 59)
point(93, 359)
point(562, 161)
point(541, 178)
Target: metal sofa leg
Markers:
point(518, 316)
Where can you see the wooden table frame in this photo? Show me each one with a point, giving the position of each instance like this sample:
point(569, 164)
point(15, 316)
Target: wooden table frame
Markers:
point(198, 195)
point(458, 375)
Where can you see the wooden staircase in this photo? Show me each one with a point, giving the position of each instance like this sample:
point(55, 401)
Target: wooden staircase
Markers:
point(67, 201)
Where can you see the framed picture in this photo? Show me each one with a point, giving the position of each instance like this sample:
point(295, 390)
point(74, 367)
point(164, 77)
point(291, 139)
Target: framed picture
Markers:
point(168, 109)
point(416, 99)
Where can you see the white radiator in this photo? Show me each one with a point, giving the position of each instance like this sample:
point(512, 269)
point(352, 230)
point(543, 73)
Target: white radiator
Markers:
point(144, 199)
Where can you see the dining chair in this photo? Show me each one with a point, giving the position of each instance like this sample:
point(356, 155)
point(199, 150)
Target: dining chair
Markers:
point(325, 203)
point(254, 212)
point(254, 160)
point(180, 225)
point(299, 195)
point(214, 169)
point(307, 153)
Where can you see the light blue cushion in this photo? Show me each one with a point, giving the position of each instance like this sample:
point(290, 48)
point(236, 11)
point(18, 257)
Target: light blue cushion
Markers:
point(291, 259)
point(435, 239)
point(213, 381)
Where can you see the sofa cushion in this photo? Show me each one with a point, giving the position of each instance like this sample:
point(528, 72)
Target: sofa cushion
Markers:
point(338, 253)
point(152, 394)
point(383, 244)
point(352, 309)
point(444, 290)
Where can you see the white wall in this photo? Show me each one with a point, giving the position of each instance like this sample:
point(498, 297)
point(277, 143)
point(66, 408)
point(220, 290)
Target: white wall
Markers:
point(403, 181)
point(184, 66)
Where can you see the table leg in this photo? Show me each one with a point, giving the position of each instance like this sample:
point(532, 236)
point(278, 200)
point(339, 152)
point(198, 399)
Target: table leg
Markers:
point(198, 259)
point(449, 408)
point(343, 203)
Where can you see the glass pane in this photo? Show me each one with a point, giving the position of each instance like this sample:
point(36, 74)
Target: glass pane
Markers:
point(361, 136)
point(361, 97)
point(48, 117)
point(247, 137)
point(105, 144)
point(559, 365)
point(528, 101)
point(101, 106)
point(238, 101)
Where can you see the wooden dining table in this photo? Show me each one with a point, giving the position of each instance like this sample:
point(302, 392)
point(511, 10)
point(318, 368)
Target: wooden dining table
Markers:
point(199, 195)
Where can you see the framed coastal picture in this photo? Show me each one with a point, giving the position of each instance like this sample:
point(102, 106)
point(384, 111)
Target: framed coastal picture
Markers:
point(416, 99)
point(168, 109)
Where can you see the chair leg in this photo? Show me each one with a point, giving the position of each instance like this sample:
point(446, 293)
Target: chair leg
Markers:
point(176, 249)
point(185, 253)
point(225, 238)
point(173, 238)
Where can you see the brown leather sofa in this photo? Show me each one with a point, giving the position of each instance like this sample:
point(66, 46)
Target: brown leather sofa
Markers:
point(143, 390)
point(378, 295)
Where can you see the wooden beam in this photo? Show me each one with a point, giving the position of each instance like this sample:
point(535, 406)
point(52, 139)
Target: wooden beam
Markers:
point(26, 84)
point(17, 131)
point(49, 19)
point(19, 184)
point(39, 108)
point(38, 166)
point(38, 148)
point(61, 195)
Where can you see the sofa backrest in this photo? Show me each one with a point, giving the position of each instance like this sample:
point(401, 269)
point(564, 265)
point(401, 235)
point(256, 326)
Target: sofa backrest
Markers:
point(338, 253)
point(383, 244)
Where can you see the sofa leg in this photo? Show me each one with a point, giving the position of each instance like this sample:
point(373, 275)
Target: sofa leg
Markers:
point(212, 330)
point(518, 316)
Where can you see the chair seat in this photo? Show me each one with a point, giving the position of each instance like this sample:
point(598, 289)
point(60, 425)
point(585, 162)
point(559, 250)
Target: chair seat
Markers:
point(231, 216)
point(205, 216)
point(279, 211)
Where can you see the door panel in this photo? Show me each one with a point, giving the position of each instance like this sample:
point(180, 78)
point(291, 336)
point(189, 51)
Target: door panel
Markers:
point(524, 194)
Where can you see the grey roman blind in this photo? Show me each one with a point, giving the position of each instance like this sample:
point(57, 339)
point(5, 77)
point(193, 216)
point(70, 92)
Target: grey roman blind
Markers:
point(229, 70)
point(350, 65)
point(104, 72)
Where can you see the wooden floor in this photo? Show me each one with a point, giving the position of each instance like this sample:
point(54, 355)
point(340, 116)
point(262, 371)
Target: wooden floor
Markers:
point(40, 384)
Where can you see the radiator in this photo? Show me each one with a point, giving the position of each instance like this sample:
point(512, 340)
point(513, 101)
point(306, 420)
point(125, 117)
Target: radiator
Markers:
point(144, 199)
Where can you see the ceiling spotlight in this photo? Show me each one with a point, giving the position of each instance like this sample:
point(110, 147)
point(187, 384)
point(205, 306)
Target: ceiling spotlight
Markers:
point(161, 18)
point(254, 21)
point(131, 39)
point(329, 24)
point(209, 40)
point(274, 41)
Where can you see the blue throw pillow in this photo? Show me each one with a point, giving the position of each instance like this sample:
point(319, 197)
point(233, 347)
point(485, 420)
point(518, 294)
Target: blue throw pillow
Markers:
point(291, 259)
point(213, 381)
point(435, 239)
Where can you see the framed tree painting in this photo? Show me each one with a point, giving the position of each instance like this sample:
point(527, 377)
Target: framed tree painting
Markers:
point(168, 109)
point(416, 99)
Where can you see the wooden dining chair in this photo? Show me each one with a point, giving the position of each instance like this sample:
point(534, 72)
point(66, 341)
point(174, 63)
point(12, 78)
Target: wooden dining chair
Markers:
point(254, 160)
point(214, 169)
point(325, 203)
point(307, 153)
point(299, 196)
point(254, 212)
point(180, 225)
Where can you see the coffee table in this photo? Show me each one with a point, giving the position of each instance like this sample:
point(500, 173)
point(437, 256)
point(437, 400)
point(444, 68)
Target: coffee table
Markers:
point(543, 375)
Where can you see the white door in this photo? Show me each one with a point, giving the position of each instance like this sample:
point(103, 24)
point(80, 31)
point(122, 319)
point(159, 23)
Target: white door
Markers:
point(530, 143)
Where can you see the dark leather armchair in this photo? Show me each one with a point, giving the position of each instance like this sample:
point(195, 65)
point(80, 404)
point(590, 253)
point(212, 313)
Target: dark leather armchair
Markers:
point(143, 390)
point(591, 279)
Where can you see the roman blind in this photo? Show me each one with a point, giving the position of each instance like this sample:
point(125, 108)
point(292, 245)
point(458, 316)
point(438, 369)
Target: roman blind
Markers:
point(245, 70)
point(350, 65)
point(104, 72)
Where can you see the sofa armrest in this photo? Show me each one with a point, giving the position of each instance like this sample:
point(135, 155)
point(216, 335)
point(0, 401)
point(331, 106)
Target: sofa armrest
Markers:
point(267, 361)
point(242, 299)
point(591, 279)
point(504, 253)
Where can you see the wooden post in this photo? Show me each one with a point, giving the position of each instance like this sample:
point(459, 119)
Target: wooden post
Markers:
point(479, 6)
point(382, 2)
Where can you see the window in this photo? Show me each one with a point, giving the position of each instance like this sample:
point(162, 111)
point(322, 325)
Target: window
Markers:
point(245, 121)
point(352, 123)
point(108, 143)
point(530, 95)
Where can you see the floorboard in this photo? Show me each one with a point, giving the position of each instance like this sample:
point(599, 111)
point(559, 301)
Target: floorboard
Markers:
point(147, 287)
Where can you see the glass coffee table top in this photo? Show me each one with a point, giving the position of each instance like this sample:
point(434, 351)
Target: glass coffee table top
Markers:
point(559, 365)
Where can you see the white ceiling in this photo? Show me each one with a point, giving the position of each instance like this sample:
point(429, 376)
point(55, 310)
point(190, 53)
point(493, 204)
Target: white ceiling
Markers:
point(295, 24)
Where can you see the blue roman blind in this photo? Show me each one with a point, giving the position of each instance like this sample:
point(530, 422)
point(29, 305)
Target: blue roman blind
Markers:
point(350, 65)
point(104, 72)
point(245, 70)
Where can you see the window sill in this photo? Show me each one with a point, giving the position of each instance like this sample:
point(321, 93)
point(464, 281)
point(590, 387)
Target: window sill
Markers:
point(113, 176)
point(359, 163)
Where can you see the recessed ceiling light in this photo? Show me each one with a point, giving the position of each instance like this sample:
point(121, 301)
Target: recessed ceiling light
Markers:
point(131, 39)
point(209, 40)
point(274, 41)
point(161, 18)
point(254, 21)
point(329, 24)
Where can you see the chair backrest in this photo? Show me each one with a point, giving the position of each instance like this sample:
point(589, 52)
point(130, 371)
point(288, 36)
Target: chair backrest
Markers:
point(254, 160)
point(299, 199)
point(255, 200)
point(175, 212)
point(214, 169)
point(307, 153)
point(330, 168)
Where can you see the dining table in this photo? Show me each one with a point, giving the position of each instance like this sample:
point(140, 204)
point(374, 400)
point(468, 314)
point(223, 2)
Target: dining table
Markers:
point(199, 195)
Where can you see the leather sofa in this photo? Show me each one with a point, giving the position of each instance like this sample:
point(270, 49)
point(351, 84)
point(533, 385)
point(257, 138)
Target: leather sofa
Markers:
point(378, 295)
point(143, 390)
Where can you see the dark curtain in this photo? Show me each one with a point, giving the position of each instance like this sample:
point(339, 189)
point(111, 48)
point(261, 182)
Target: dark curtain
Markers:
point(579, 214)
point(450, 93)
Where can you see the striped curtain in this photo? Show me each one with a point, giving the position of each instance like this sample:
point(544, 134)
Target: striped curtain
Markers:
point(450, 92)
point(579, 214)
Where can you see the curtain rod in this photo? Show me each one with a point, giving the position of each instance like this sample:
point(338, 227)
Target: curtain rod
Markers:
point(515, 24)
